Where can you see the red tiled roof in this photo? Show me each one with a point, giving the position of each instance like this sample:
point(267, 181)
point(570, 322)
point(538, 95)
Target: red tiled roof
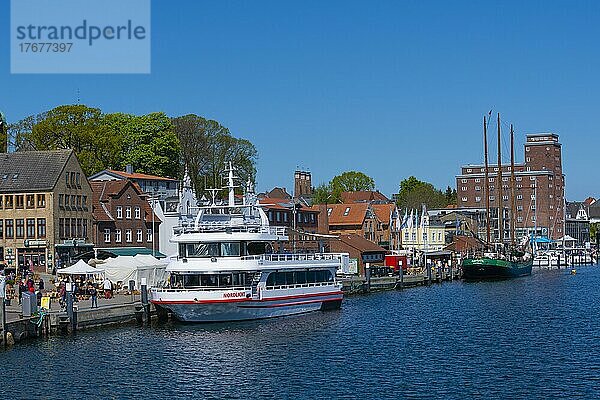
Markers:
point(363, 196)
point(137, 175)
point(383, 211)
point(102, 191)
point(355, 216)
point(360, 243)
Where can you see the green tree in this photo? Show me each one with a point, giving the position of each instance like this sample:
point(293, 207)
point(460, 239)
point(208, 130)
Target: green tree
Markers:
point(414, 193)
point(323, 195)
point(149, 143)
point(3, 133)
point(350, 181)
point(76, 127)
point(206, 149)
point(450, 195)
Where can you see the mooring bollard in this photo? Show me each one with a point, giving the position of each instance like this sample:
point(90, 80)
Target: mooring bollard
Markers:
point(401, 273)
point(145, 304)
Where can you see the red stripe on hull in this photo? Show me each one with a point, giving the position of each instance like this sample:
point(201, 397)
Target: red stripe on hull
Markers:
point(301, 296)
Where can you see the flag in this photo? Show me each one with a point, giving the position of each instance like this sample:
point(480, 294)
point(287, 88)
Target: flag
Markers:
point(409, 223)
point(405, 219)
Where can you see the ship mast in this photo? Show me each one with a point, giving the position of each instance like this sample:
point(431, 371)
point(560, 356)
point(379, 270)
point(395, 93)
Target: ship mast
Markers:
point(486, 187)
point(500, 205)
point(513, 211)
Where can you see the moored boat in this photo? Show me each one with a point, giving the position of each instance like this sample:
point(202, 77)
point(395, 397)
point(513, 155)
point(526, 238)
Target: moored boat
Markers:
point(226, 269)
point(494, 268)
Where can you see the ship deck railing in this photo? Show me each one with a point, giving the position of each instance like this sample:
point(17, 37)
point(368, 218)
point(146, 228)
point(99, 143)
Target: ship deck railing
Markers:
point(297, 257)
point(208, 227)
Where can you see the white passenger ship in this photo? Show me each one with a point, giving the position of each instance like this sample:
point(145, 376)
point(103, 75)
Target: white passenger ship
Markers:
point(226, 269)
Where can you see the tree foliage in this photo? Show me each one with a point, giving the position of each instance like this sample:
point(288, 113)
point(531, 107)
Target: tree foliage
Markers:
point(149, 143)
point(349, 181)
point(414, 193)
point(207, 147)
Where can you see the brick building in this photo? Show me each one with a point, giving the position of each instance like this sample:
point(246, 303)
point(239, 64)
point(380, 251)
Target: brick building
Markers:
point(541, 172)
point(122, 216)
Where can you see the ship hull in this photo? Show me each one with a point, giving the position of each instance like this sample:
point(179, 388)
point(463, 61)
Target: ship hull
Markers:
point(248, 309)
point(488, 268)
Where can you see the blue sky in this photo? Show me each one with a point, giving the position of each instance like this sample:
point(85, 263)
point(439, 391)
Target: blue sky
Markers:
point(390, 88)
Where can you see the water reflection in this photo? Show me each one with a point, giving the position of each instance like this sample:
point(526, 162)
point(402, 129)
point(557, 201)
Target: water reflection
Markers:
point(533, 337)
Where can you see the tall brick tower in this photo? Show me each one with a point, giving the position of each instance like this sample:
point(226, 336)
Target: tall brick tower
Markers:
point(302, 183)
point(543, 153)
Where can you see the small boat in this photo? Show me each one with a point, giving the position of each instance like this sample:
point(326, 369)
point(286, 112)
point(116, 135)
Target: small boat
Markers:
point(226, 269)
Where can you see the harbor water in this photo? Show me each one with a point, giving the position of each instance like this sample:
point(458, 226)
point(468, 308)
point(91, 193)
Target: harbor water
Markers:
point(527, 338)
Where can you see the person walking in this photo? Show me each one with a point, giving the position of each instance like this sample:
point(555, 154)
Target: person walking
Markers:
point(107, 286)
point(93, 295)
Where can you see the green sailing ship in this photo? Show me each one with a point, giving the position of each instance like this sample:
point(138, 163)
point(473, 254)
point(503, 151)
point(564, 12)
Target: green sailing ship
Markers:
point(508, 261)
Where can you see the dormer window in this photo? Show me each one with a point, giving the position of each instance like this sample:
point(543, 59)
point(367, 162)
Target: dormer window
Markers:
point(346, 211)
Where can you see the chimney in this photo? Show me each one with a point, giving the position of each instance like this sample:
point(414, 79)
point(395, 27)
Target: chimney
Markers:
point(129, 169)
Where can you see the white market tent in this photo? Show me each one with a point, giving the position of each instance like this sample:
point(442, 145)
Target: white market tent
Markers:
point(81, 268)
point(128, 271)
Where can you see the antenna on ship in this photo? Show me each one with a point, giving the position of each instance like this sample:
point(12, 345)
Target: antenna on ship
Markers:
point(230, 184)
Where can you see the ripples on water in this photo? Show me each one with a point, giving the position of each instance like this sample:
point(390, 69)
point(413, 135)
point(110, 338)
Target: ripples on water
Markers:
point(529, 338)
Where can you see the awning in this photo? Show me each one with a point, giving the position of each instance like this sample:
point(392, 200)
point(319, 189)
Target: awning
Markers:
point(131, 251)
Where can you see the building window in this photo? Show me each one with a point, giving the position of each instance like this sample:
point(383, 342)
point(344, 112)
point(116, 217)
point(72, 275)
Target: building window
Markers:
point(519, 219)
point(491, 180)
point(19, 228)
point(533, 217)
point(528, 159)
point(128, 236)
point(31, 228)
point(469, 170)
point(312, 218)
point(73, 179)
point(285, 217)
point(148, 235)
point(1, 229)
point(519, 208)
point(346, 211)
point(477, 180)
point(406, 236)
point(67, 180)
point(41, 227)
point(492, 198)
point(61, 201)
point(329, 212)
point(78, 179)
point(532, 178)
point(106, 235)
point(477, 199)
point(85, 229)
point(139, 235)
point(519, 196)
point(19, 201)
point(128, 212)
point(8, 202)
point(41, 200)
point(10, 228)
point(30, 201)
point(477, 188)
point(463, 181)
point(117, 235)
point(119, 212)
point(505, 198)
point(84, 202)
point(464, 188)
point(464, 199)
point(138, 213)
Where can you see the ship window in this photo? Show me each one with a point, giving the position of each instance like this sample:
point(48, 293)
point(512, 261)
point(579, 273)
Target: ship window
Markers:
point(190, 280)
point(209, 280)
point(231, 249)
point(298, 277)
point(255, 248)
point(202, 249)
